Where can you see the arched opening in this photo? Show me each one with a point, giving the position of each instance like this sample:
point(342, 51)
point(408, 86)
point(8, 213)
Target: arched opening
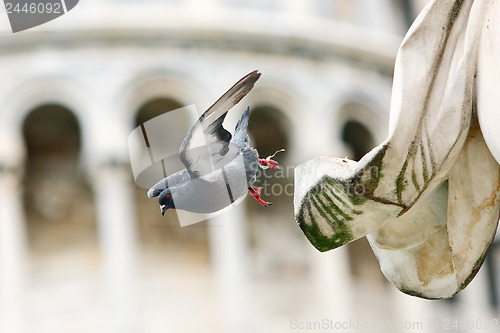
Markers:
point(154, 108)
point(57, 197)
point(408, 9)
point(358, 138)
point(267, 129)
point(162, 235)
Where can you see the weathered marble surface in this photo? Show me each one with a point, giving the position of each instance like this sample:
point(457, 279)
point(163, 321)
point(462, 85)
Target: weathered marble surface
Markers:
point(428, 197)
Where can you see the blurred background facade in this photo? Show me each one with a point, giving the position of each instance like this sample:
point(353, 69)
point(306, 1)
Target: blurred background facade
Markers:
point(82, 249)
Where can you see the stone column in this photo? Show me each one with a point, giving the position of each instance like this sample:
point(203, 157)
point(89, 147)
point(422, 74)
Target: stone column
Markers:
point(229, 251)
point(112, 183)
point(330, 271)
point(332, 281)
point(13, 250)
point(412, 309)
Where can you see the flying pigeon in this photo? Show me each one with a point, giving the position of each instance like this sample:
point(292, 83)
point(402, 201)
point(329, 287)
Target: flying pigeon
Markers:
point(224, 165)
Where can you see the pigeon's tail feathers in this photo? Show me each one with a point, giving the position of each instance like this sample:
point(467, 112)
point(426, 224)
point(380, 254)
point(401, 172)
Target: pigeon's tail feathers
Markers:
point(243, 122)
point(240, 132)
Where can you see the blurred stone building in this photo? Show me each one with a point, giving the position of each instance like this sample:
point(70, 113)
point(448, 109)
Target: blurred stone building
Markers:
point(82, 249)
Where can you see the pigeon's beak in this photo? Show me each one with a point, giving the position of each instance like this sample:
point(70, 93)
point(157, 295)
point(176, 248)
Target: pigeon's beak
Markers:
point(163, 209)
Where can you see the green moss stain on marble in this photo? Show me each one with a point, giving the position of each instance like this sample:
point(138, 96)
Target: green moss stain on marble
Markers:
point(334, 203)
point(341, 236)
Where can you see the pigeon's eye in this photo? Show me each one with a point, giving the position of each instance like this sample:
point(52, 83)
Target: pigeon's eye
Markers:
point(169, 196)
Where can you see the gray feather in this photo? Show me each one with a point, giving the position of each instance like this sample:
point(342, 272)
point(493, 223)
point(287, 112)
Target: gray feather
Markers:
point(240, 137)
point(218, 138)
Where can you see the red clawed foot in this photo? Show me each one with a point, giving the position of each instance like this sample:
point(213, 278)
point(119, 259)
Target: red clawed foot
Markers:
point(268, 163)
point(256, 195)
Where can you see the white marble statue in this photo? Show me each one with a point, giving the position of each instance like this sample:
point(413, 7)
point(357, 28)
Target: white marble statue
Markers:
point(427, 198)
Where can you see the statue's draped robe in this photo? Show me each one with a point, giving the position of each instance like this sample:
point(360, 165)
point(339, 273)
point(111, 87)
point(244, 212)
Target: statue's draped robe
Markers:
point(427, 198)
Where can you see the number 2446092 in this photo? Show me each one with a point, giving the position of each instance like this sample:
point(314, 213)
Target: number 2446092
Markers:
point(34, 8)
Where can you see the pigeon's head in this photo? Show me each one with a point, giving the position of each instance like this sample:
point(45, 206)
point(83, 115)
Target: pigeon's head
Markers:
point(166, 201)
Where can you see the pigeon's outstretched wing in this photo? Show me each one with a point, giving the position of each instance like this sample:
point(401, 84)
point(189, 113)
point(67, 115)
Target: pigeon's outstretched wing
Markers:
point(218, 150)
